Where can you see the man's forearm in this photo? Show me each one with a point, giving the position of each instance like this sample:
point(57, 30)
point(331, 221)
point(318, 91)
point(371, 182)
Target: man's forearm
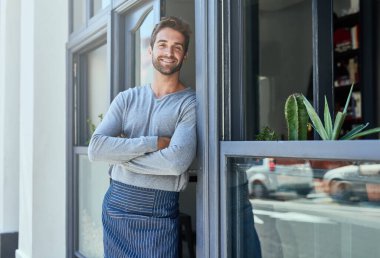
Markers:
point(118, 150)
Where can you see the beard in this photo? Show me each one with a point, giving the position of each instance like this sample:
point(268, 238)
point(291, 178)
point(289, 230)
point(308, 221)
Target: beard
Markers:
point(166, 69)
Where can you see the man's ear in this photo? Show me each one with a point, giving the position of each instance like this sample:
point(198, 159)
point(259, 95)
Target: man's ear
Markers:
point(150, 50)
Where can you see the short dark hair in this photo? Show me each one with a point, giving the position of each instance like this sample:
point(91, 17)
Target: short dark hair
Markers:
point(174, 23)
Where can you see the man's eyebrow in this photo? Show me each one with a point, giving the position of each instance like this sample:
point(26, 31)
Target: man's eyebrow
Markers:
point(177, 43)
point(164, 41)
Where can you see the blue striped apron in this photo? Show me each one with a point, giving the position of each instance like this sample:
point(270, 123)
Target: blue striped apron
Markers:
point(140, 222)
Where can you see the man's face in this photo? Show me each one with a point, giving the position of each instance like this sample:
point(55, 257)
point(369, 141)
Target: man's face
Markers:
point(168, 51)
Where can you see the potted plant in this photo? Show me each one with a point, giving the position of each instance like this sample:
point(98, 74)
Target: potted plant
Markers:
point(296, 108)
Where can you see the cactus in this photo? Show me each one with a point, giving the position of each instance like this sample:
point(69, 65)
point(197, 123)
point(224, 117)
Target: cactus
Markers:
point(296, 117)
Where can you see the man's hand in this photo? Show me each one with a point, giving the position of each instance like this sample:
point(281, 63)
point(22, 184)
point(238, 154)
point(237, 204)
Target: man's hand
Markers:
point(163, 142)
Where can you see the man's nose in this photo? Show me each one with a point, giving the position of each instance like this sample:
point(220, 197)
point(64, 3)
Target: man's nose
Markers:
point(169, 51)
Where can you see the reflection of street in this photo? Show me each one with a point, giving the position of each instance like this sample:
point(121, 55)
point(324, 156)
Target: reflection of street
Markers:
point(317, 227)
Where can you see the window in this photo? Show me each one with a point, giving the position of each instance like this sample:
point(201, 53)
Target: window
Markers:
point(93, 182)
point(92, 98)
point(275, 60)
point(92, 93)
point(99, 5)
point(83, 12)
point(301, 206)
point(143, 63)
point(78, 14)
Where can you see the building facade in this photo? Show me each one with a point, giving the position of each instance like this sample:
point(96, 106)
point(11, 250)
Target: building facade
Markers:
point(62, 62)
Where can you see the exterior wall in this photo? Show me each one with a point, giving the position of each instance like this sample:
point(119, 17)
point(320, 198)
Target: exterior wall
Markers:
point(9, 129)
point(9, 113)
point(44, 30)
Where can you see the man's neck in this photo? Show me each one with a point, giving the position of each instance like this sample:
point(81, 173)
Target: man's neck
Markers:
point(166, 84)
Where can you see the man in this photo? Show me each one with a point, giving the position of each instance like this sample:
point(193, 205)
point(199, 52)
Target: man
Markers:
point(158, 127)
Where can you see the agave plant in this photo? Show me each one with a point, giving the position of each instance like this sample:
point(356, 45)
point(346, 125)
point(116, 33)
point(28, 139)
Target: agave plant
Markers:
point(330, 130)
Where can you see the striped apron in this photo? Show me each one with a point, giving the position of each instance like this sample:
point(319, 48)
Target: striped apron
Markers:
point(140, 222)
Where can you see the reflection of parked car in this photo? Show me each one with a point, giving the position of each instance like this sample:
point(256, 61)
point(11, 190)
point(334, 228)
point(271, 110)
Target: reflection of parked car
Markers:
point(358, 182)
point(268, 176)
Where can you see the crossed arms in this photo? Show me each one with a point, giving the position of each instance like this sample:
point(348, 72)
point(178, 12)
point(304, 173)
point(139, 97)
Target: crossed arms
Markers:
point(146, 154)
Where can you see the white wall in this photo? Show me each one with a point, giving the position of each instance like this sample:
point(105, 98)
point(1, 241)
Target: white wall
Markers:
point(26, 129)
point(9, 114)
point(44, 30)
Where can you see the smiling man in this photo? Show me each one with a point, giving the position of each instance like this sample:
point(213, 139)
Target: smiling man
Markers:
point(149, 135)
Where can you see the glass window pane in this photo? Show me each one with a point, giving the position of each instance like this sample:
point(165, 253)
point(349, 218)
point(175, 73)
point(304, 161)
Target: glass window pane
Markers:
point(99, 5)
point(94, 96)
point(346, 61)
point(79, 14)
point(93, 183)
point(304, 208)
point(98, 92)
point(277, 61)
point(143, 64)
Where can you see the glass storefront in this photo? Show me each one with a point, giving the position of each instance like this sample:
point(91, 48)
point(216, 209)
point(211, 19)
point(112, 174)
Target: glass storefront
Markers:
point(319, 206)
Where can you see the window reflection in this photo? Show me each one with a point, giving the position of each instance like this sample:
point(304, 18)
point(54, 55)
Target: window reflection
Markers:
point(143, 65)
point(93, 183)
point(305, 208)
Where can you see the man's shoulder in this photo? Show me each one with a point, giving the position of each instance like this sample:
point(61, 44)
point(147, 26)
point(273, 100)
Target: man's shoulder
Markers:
point(190, 94)
point(189, 98)
point(137, 90)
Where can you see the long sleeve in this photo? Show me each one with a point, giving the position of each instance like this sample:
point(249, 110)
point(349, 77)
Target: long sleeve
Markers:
point(175, 159)
point(105, 145)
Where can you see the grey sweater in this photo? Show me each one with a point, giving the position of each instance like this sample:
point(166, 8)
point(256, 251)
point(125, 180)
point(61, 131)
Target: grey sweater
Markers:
point(139, 115)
